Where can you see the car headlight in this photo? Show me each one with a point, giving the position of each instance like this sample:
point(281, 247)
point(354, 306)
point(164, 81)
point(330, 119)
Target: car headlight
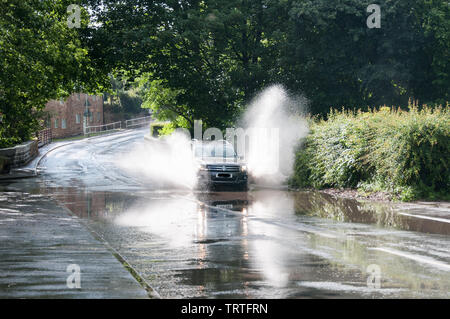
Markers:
point(202, 167)
point(243, 168)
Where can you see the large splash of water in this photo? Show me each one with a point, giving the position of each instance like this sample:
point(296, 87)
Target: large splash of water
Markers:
point(162, 163)
point(168, 162)
point(278, 124)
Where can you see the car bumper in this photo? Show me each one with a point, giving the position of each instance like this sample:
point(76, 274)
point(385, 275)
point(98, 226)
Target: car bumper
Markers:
point(217, 178)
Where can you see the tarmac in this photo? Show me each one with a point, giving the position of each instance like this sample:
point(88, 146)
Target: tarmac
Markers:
point(46, 252)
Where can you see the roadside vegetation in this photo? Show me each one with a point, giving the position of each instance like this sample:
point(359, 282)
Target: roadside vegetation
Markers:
point(189, 59)
point(158, 129)
point(207, 59)
point(403, 152)
point(41, 58)
point(124, 99)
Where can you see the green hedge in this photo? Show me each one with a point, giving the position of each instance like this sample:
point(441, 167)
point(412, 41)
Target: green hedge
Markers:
point(404, 152)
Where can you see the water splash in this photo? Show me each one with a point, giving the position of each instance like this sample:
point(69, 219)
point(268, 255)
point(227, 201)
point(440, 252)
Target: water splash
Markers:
point(273, 110)
point(163, 163)
point(168, 162)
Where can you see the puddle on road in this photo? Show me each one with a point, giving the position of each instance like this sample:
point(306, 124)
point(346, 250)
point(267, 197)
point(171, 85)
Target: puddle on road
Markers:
point(376, 213)
point(98, 204)
point(258, 244)
point(271, 244)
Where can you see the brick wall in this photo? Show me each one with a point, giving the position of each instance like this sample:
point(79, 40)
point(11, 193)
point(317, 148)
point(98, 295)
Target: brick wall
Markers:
point(66, 116)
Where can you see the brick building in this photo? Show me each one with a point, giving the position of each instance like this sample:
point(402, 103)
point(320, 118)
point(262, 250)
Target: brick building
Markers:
point(66, 117)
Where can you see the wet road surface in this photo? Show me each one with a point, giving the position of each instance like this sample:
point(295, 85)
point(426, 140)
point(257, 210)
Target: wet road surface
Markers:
point(42, 245)
point(256, 244)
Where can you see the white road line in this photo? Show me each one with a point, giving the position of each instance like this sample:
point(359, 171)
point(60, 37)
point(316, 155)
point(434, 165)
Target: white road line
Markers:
point(444, 220)
point(418, 258)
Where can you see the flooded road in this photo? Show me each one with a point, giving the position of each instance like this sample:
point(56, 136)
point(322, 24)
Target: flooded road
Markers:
point(256, 244)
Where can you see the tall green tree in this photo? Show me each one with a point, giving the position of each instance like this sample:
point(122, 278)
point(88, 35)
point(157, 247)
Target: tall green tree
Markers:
point(435, 17)
point(41, 58)
point(215, 54)
point(218, 54)
point(339, 61)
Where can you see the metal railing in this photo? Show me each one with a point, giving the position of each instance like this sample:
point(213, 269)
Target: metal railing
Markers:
point(44, 137)
point(141, 121)
point(138, 121)
point(102, 128)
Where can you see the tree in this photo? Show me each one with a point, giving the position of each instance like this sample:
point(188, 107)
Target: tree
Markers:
point(216, 55)
point(435, 17)
point(339, 61)
point(41, 58)
point(162, 100)
point(124, 95)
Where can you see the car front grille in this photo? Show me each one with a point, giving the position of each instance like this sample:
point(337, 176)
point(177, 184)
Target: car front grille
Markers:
point(223, 168)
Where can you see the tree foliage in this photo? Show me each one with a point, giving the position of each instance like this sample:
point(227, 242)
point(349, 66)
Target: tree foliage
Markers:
point(338, 61)
point(41, 58)
point(208, 58)
point(123, 96)
point(217, 54)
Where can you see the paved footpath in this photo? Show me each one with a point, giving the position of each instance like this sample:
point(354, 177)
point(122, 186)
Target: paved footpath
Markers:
point(39, 240)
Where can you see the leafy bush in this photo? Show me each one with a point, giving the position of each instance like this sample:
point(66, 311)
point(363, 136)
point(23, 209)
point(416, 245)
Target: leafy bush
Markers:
point(158, 129)
point(404, 152)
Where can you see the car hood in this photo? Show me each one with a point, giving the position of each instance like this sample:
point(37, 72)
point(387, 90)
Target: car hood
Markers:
point(219, 160)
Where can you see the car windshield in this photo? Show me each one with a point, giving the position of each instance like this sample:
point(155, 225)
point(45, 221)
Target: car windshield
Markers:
point(214, 150)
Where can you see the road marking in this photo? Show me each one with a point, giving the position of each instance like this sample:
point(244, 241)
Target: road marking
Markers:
point(420, 259)
point(444, 220)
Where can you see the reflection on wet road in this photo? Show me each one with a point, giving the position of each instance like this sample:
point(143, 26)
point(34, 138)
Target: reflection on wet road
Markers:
point(264, 243)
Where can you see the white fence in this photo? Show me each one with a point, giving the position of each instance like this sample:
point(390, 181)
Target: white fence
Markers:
point(138, 122)
point(118, 125)
point(103, 128)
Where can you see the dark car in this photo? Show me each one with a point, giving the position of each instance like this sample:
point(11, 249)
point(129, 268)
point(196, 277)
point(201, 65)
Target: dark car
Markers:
point(219, 166)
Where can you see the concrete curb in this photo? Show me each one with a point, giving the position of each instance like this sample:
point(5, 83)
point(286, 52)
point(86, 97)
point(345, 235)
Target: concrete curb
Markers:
point(136, 275)
point(17, 175)
point(33, 171)
point(37, 249)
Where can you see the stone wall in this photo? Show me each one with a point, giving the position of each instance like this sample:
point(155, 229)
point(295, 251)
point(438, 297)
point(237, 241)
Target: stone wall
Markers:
point(18, 155)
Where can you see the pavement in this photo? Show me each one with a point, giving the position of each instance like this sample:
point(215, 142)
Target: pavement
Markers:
point(40, 240)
